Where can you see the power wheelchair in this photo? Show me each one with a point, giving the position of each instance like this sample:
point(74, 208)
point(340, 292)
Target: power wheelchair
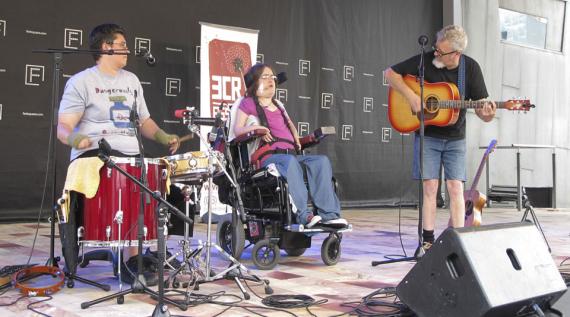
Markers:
point(268, 222)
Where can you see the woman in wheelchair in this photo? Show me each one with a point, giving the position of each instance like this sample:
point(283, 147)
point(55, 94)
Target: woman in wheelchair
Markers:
point(282, 145)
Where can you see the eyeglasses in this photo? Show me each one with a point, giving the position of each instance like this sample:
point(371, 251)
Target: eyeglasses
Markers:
point(268, 76)
point(121, 44)
point(440, 53)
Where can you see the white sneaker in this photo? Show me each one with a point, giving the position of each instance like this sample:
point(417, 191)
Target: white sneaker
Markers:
point(338, 222)
point(313, 220)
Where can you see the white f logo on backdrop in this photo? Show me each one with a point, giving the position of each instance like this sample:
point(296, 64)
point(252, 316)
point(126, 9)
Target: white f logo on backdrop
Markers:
point(34, 75)
point(173, 86)
point(304, 67)
point(348, 73)
point(368, 104)
point(3, 27)
point(73, 38)
point(347, 132)
point(327, 100)
point(303, 128)
point(142, 43)
point(386, 134)
point(281, 94)
point(260, 58)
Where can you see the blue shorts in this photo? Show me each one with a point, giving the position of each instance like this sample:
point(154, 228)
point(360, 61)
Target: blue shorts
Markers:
point(437, 151)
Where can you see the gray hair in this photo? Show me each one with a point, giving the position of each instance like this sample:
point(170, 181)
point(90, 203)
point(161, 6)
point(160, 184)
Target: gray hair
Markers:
point(455, 35)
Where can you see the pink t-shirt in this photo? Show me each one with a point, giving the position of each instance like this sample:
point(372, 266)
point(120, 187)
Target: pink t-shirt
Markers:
point(275, 121)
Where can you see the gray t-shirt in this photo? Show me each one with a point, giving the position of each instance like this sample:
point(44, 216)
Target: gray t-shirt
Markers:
point(105, 102)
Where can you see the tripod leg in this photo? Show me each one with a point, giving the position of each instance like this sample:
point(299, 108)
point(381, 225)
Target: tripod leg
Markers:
point(85, 305)
point(104, 287)
point(537, 224)
point(246, 295)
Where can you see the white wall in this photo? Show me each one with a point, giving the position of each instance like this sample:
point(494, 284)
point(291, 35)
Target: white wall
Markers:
point(516, 71)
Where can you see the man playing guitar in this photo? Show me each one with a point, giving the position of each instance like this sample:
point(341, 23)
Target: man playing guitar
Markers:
point(443, 144)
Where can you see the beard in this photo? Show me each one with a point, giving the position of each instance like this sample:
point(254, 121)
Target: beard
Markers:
point(437, 63)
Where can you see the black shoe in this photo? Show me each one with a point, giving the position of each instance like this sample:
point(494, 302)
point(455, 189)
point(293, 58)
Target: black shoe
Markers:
point(174, 263)
point(131, 266)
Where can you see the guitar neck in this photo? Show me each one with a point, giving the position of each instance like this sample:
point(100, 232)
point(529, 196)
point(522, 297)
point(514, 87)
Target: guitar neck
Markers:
point(467, 104)
point(482, 164)
point(479, 171)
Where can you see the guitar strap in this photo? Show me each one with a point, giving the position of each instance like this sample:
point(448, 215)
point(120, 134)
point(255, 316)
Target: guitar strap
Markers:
point(461, 77)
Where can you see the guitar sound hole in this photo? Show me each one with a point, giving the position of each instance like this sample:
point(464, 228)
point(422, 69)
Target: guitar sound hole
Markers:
point(432, 104)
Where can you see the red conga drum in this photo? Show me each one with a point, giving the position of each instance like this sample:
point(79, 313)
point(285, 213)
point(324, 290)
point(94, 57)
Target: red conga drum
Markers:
point(117, 192)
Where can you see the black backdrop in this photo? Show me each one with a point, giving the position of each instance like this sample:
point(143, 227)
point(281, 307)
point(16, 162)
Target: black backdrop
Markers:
point(334, 52)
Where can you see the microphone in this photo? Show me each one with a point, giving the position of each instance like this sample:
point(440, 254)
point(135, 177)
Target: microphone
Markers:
point(423, 39)
point(146, 54)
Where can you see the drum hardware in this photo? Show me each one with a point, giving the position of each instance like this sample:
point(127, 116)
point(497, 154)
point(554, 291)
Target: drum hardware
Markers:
point(236, 271)
point(119, 221)
point(188, 265)
point(61, 209)
point(163, 206)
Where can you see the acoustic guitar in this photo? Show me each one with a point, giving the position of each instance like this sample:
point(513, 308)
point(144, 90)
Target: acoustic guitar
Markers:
point(441, 105)
point(474, 200)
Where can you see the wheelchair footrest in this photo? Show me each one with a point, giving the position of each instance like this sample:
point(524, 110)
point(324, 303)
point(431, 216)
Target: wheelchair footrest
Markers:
point(317, 229)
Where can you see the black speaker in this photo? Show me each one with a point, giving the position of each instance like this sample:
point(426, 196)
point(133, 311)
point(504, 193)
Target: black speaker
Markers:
point(493, 270)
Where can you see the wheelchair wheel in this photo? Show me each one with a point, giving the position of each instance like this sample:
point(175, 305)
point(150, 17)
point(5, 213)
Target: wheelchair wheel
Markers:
point(330, 250)
point(295, 251)
point(224, 236)
point(265, 255)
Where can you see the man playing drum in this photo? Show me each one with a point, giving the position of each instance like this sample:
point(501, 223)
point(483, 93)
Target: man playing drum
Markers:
point(96, 103)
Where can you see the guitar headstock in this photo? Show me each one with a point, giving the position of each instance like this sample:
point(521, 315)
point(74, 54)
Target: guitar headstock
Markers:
point(518, 105)
point(491, 147)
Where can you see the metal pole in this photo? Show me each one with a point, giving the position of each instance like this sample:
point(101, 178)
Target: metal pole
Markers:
point(554, 178)
point(519, 190)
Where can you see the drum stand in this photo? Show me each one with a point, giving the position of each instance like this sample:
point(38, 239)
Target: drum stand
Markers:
point(161, 309)
point(187, 265)
point(236, 271)
point(70, 276)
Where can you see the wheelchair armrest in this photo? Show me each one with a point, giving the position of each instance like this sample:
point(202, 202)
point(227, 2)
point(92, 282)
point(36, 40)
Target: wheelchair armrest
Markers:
point(316, 137)
point(248, 137)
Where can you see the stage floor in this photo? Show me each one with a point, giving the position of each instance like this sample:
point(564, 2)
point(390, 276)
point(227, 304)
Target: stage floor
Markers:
point(375, 236)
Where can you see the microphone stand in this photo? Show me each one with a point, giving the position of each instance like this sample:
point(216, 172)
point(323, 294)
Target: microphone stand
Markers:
point(52, 154)
point(161, 310)
point(139, 282)
point(236, 271)
point(419, 251)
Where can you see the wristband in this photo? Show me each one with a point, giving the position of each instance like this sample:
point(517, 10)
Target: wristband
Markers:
point(164, 138)
point(74, 138)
